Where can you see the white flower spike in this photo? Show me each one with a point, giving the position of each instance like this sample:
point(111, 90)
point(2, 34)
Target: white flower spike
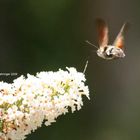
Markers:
point(26, 103)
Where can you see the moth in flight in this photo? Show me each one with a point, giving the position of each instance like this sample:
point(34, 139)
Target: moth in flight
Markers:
point(109, 52)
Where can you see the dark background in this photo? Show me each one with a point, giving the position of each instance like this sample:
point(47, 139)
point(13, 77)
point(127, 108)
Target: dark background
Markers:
point(50, 34)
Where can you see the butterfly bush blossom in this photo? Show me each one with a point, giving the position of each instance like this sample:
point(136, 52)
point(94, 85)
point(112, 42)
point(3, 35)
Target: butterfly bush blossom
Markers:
point(28, 102)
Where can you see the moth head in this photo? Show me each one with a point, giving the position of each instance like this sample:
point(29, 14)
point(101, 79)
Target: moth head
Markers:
point(100, 51)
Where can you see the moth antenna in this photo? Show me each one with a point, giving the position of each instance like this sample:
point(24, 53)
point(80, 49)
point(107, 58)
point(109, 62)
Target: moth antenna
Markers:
point(91, 44)
point(85, 67)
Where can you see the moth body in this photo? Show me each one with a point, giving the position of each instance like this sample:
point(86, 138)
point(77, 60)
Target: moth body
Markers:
point(110, 52)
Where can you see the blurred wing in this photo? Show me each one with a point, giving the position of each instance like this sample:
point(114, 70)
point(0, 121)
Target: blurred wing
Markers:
point(102, 32)
point(119, 41)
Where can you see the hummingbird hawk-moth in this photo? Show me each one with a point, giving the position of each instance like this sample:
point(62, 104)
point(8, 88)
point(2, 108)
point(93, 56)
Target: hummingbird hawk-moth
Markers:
point(116, 50)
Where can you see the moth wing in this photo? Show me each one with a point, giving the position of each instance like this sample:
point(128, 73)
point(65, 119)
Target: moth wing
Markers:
point(102, 29)
point(119, 41)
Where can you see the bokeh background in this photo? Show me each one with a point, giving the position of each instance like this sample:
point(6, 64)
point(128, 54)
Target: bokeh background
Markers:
point(50, 34)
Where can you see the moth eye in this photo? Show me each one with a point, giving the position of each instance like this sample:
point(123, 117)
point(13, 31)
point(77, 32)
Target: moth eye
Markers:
point(105, 48)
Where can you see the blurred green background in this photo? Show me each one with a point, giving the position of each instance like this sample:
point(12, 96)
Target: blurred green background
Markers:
point(50, 34)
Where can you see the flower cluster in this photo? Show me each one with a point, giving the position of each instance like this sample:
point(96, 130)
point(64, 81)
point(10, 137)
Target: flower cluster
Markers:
point(28, 102)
